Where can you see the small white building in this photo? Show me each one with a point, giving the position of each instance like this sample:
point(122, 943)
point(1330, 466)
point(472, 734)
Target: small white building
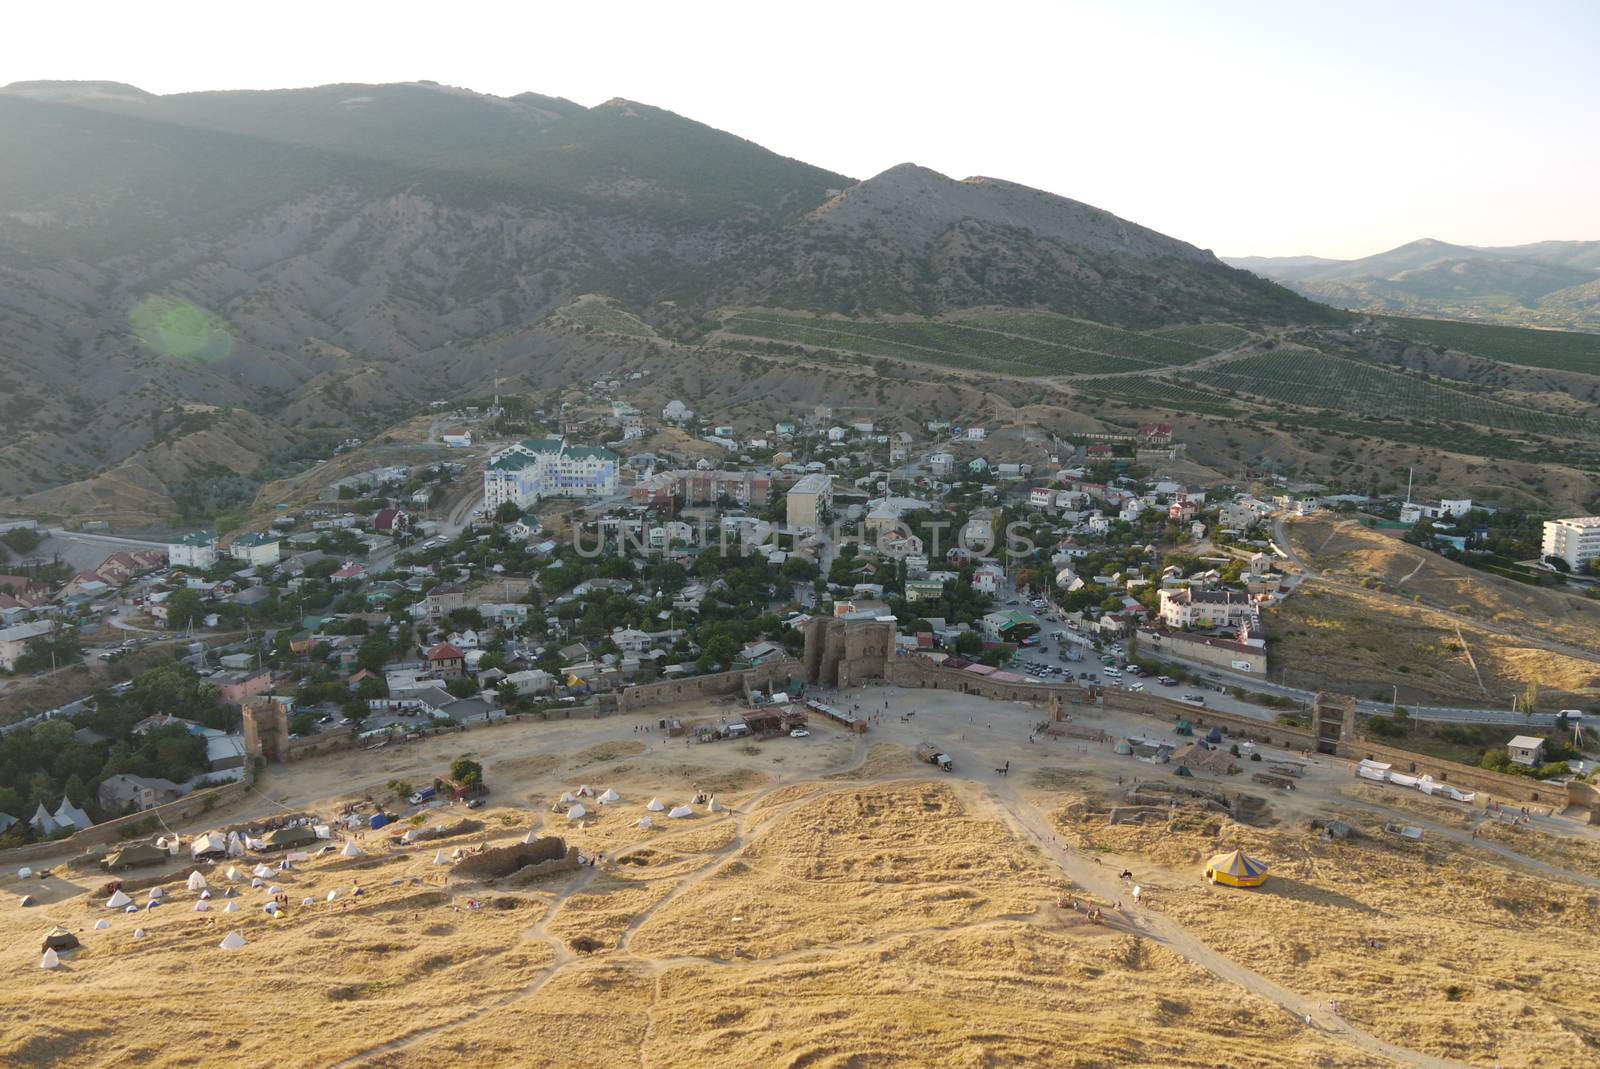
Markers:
point(1526, 750)
point(255, 549)
point(198, 549)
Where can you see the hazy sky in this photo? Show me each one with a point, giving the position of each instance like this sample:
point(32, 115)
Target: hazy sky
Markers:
point(1271, 128)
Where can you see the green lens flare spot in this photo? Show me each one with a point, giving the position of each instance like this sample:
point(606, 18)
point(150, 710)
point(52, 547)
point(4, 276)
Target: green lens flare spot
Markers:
point(172, 326)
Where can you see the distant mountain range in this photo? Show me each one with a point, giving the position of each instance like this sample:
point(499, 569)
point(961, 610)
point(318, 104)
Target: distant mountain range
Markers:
point(1548, 283)
point(324, 256)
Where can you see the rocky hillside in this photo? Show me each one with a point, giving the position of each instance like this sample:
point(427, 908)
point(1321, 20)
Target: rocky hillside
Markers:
point(330, 258)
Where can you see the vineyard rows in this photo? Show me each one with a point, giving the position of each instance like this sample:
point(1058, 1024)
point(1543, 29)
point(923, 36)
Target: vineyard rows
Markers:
point(1317, 380)
point(1162, 349)
point(1558, 349)
point(1213, 336)
point(1158, 393)
point(940, 343)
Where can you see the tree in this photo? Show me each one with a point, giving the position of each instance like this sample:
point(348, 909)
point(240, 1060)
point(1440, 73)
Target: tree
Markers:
point(466, 771)
point(184, 608)
point(461, 687)
point(400, 788)
point(1530, 698)
point(508, 512)
point(302, 723)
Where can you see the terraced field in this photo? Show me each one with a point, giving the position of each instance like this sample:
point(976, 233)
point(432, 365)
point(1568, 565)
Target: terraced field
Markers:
point(1314, 379)
point(1558, 349)
point(1158, 393)
point(1019, 344)
point(1216, 336)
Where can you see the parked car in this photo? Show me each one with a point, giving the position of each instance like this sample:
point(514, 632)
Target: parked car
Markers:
point(1193, 699)
point(1166, 681)
point(799, 733)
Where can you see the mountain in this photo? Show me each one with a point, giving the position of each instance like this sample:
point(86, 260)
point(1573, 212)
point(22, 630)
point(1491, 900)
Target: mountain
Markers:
point(333, 257)
point(1547, 283)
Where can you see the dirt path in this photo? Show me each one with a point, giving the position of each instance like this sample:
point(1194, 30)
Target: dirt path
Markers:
point(1095, 878)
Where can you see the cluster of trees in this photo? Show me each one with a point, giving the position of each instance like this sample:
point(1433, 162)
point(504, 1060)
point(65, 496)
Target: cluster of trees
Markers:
point(49, 760)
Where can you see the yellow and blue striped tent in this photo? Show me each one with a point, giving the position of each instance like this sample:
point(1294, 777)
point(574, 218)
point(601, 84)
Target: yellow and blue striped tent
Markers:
point(1236, 870)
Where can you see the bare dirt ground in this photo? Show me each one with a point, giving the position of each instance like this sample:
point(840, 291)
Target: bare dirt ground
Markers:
point(842, 905)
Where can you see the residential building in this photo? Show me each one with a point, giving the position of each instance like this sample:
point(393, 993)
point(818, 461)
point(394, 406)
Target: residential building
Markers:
point(142, 792)
point(809, 500)
point(1155, 435)
point(198, 549)
point(236, 688)
point(942, 464)
point(457, 439)
point(923, 589)
point(447, 661)
point(255, 549)
point(1526, 750)
point(1190, 607)
point(976, 434)
point(987, 578)
point(538, 468)
point(391, 521)
point(14, 640)
point(1575, 540)
point(444, 599)
point(1413, 511)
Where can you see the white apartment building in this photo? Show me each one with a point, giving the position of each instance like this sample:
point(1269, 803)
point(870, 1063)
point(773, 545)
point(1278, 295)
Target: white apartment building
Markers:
point(195, 550)
point(1575, 540)
point(1188, 607)
point(536, 468)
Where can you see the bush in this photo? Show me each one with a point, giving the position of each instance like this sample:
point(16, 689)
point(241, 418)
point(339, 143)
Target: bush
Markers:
point(1255, 757)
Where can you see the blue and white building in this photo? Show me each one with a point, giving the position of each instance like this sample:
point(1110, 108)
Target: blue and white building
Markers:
point(537, 468)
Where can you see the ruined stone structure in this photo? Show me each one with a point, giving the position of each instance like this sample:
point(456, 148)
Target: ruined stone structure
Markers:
point(842, 653)
point(266, 731)
point(1333, 719)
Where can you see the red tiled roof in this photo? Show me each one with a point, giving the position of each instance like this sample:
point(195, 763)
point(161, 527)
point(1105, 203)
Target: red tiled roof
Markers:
point(444, 651)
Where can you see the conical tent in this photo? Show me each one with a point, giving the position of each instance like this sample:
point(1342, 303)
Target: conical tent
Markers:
point(202, 906)
point(58, 938)
point(714, 805)
point(646, 822)
point(655, 805)
point(234, 874)
point(610, 796)
point(351, 850)
point(138, 933)
point(577, 812)
point(231, 907)
point(1214, 736)
point(197, 882)
point(440, 859)
point(51, 960)
point(101, 925)
point(530, 838)
point(679, 812)
point(232, 941)
point(333, 894)
point(261, 871)
point(1235, 869)
point(410, 836)
point(117, 900)
point(585, 791)
point(274, 891)
point(155, 893)
point(566, 798)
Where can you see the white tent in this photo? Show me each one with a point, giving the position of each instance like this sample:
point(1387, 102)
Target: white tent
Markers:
point(27, 900)
point(202, 906)
point(135, 909)
point(272, 908)
point(333, 894)
point(197, 882)
point(410, 836)
point(323, 831)
point(257, 882)
point(274, 891)
point(101, 925)
point(117, 901)
point(440, 859)
point(262, 871)
point(308, 901)
point(566, 798)
point(233, 873)
point(351, 850)
point(714, 805)
point(656, 806)
point(609, 797)
point(235, 845)
point(51, 960)
point(138, 933)
point(585, 791)
point(205, 894)
point(679, 812)
point(212, 842)
point(577, 812)
point(24, 872)
point(646, 822)
point(232, 941)
point(530, 838)
point(156, 892)
point(231, 907)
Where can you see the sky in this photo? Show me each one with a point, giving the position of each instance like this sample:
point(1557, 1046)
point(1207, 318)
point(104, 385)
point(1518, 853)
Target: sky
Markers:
point(1247, 128)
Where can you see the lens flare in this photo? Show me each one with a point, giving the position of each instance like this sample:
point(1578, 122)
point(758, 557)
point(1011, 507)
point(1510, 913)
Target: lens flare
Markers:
point(181, 329)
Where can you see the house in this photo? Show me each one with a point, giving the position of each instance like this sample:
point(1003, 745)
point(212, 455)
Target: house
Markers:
point(1155, 435)
point(1193, 607)
point(256, 549)
point(976, 434)
point(534, 469)
point(142, 792)
point(676, 412)
point(1526, 750)
point(235, 688)
point(14, 640)
point(532, 681)
point(457, 439)
point(632, 640)
point(942, 464)
point(351, 572)
point(391, 521)
point(987, 578)
point(198, 549)
point(26, 592)
point(1041, 497)
point(923, 589)
point(447, 661)
point(809, 500)
point(444, 599)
